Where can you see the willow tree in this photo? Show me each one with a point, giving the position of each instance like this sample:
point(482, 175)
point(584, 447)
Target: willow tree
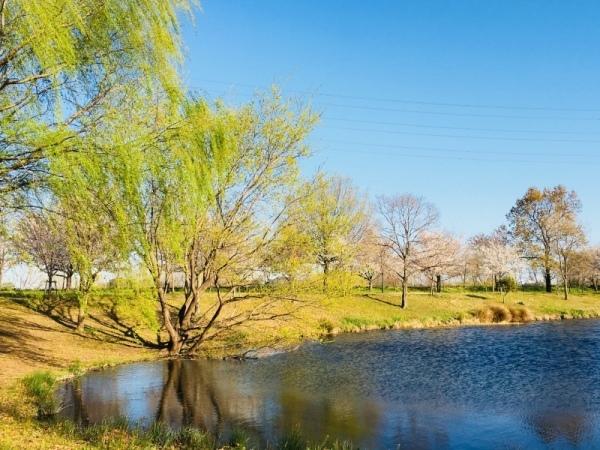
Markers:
point(63, 61)
point(134, 179)
point(333, 216)
point(251, 189)
point(88, 234)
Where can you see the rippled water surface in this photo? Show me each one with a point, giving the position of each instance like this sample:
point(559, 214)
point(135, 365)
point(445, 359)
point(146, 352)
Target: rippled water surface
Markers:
point(533, 386)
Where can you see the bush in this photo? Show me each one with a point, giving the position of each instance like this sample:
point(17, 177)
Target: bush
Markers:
point(39, 388)
point(521, 315)
point(500, 313)
point(494, 314)
point(507, 284)
point(325, 326)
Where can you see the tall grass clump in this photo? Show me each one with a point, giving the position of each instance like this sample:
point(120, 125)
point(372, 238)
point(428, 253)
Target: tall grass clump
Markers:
point(39, 389)
point(521, 315)
point(501, 313)
point(119, 434)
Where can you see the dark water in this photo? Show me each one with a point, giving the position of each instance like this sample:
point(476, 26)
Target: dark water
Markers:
point(533, 386)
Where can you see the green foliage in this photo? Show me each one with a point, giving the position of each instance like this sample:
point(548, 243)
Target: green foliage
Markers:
point(341, 282)
point(40, 389)
point(66, 63)
point(507, 284)
point(325, 325)
point(326, 226)
point(138, 309)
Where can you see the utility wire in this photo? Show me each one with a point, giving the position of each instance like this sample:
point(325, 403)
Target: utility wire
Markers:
point(409, 101)
point(456, 150)
point(459, 136)
point(493, 130)
point(462, 158)
point(442, 113)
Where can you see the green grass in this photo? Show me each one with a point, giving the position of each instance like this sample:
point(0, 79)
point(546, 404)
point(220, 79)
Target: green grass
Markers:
point(39, 389)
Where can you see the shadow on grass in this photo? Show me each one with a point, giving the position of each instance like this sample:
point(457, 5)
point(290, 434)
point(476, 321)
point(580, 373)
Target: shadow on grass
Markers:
point(105, 326)
point(481, 297)
point(372, 297)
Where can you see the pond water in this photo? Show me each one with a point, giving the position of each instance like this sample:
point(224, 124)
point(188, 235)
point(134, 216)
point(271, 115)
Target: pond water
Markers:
point(530, 386)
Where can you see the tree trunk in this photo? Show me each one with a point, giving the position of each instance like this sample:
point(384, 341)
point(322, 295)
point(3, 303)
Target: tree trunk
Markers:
point(370, 284)
point(325, 275)
point(175, 342)
point(68, 281)
point(81, 317)
point(50, 281)
point(548, 278)
point(438, 283)
point(565, 279)
point(404, 294)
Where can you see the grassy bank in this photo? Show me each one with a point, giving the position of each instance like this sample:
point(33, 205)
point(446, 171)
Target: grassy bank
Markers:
point(34, 337)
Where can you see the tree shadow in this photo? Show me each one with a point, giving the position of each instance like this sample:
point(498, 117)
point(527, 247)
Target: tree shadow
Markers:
point(481, 297)
point(17, 340)
point(97, 327)
point(372, 297)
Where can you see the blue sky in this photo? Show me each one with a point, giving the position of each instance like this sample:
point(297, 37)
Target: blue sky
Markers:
point(467, 103)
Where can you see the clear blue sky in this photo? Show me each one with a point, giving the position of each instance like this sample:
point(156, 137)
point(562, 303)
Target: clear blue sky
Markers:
point(467, 103)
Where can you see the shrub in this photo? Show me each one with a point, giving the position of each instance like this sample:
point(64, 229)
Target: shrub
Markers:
point(507, 284)
point(494, 314)
point(500, 313)
point(521, 315)
point(39, 388)
point(340, 283)
point(325, 326)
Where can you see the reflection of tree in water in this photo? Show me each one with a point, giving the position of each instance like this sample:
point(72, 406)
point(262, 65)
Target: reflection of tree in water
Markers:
point(74, 406)
point(414, 430)
point(554, 425)
point(199, 395)
point(93, 399)
point(193, 396)
point(337, 415)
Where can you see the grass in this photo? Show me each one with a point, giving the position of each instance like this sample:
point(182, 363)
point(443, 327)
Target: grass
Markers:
point(36, 336)
point(40, 387)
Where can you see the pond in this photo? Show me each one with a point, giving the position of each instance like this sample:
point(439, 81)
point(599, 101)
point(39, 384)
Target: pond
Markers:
point(528, 386)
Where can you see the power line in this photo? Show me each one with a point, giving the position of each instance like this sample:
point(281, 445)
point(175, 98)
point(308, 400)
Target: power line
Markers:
point(494, 130)
point(453, 114)
point(446, 113)
point(411, 101)
point(455, 150)
point(462, 158)
point(491, 138)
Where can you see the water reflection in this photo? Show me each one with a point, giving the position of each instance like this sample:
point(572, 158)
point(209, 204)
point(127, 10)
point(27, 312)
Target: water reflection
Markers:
point(521, 387)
